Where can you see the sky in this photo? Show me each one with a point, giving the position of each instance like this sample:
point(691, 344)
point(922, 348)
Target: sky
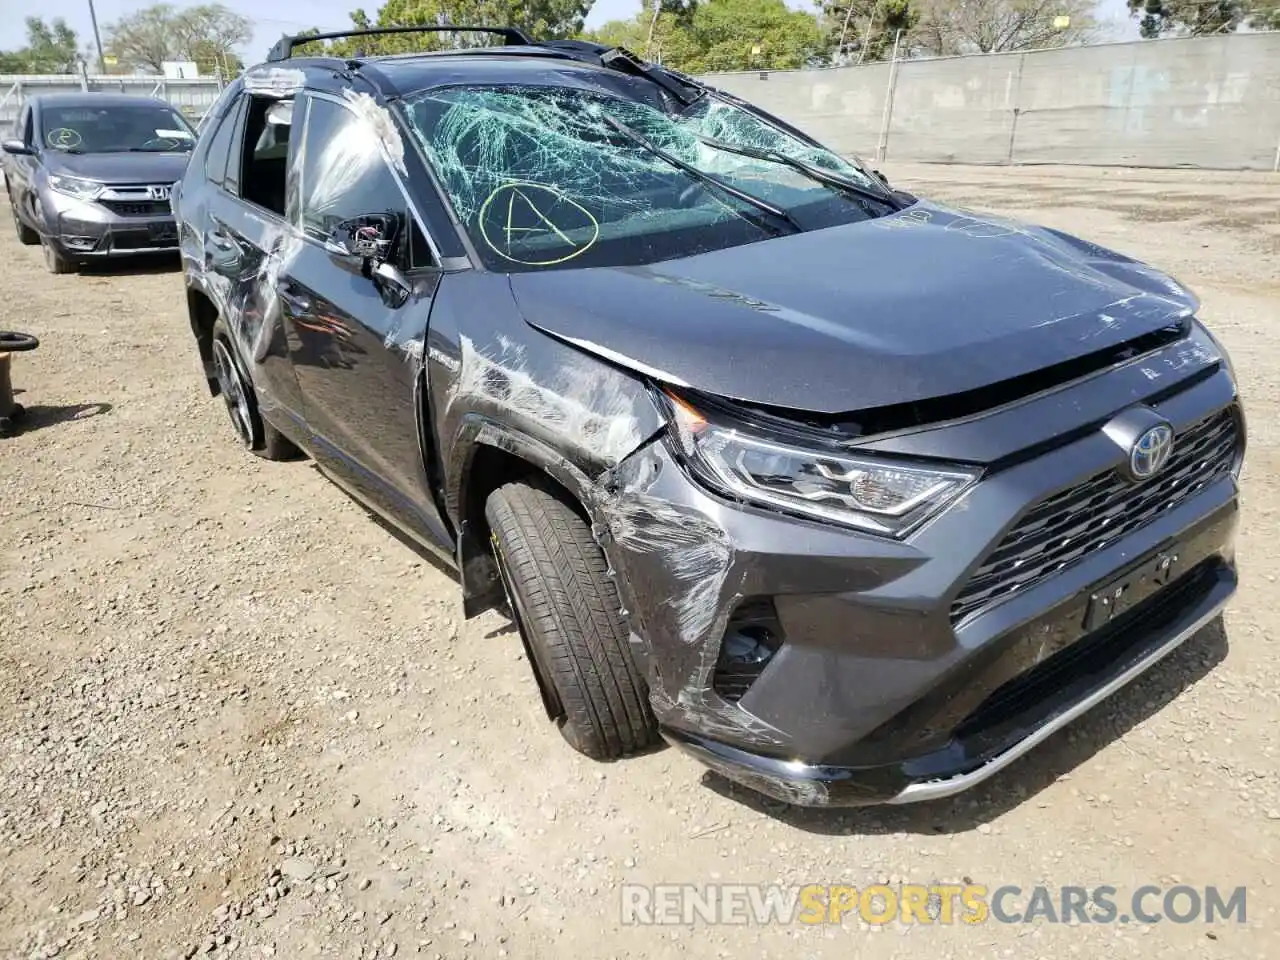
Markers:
point(289, 16)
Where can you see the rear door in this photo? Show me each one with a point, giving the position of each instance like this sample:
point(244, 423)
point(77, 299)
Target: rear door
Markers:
point(246, 237)
point(357, 340)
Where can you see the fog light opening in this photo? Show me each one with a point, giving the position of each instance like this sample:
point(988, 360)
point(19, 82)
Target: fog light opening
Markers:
point(751, 640)
point(79, 243)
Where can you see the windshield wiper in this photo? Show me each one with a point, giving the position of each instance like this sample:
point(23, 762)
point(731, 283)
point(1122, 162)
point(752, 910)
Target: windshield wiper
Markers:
point(712, 181)
point(826, 177)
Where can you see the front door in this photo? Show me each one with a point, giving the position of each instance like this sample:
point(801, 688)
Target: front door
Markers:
point(357, 340)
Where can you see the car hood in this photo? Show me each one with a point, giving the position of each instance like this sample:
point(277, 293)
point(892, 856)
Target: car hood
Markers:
point(921, 304)
point(119, 167)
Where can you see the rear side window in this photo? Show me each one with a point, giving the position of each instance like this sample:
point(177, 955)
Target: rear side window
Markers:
point(218, 157)
point(268, 126)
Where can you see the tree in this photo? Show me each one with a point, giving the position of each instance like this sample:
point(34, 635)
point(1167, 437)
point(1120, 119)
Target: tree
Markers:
point(544, 19)
point(1265, 15)
point(864, 30)
point(679, 14)
point(51, 48)
point(1188, 17)
point(947, 27)
point(720, 35)
point(206, 34)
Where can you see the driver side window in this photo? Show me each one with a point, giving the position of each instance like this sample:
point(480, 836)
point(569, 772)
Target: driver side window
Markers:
point(344, 175)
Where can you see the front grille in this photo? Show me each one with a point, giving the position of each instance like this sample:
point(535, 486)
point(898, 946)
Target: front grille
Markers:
point(143, 240)
point(1070, 525)
point(1091, 661)
point(137, 208)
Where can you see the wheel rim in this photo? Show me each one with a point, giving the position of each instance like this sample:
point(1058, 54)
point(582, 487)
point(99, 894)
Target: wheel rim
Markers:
point(234, 392)
point(550, 698)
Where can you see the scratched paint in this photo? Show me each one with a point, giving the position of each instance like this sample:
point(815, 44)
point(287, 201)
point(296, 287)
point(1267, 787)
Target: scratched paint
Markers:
point(582, 402)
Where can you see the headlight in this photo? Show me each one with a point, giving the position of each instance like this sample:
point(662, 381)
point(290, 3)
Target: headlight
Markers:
point(881, 496)
point(75, 187)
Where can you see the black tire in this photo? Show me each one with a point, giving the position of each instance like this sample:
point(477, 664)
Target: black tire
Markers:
point(26, 236)
point(255, 434)
point(55, 261)
point(568, 613)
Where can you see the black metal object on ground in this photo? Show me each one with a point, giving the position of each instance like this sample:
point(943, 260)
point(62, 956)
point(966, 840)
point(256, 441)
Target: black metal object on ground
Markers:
point(10, 411)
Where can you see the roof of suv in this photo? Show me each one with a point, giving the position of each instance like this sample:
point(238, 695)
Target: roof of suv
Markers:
point(398, 75)
point(405, 74)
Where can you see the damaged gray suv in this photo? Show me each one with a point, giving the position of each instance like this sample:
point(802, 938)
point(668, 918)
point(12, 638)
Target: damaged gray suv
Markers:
point(853, 496)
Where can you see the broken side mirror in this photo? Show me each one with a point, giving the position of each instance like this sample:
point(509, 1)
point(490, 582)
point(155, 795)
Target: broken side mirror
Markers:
point(393, 286)
point(369, 238)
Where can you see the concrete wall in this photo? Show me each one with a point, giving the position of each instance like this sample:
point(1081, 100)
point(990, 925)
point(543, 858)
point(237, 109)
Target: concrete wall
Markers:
point(1206, 102)
point(192, 97)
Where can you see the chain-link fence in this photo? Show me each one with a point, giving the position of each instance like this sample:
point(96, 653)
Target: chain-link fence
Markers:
point(1210, 102)
point(193, 97)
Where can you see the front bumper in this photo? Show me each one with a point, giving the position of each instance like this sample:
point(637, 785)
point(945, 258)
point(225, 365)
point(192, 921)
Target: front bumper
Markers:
point(807, 784)
point(880, 691)
point(89, 239)
point(87, 230)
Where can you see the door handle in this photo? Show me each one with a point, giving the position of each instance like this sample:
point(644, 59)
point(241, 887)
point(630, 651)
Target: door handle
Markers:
point(297, 302)
point(220, 239)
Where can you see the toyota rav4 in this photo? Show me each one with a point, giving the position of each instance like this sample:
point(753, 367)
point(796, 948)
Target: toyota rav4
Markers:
point(854, 496)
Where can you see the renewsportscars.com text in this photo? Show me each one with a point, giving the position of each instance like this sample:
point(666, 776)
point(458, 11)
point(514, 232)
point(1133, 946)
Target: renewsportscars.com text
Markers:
point(936, 903)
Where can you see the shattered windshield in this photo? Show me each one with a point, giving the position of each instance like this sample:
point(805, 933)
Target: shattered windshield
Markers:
point(542, 177)
point(116, 128)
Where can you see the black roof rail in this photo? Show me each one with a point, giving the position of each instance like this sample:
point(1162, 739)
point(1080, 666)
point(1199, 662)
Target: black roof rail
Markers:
point(283, 48)
point(685, 89)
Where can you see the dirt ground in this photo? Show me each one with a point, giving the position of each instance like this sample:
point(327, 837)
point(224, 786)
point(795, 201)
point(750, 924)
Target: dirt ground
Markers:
point(239, 717)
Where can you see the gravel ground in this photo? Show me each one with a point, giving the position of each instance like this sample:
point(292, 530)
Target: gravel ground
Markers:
point(239, 717)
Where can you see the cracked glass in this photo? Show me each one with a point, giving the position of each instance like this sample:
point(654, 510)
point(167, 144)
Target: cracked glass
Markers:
point(541, 177)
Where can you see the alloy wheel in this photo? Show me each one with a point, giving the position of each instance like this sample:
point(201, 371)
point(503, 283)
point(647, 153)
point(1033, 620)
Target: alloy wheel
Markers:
point(234, 392)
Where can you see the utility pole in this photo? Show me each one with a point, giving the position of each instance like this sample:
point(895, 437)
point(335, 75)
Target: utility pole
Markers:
point(844, 29)
point(887, 118)
point(97, 40)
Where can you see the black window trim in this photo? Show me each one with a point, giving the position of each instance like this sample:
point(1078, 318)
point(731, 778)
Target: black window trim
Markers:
point(312, 96)
point(247, 97)
point(24, 126)
point(228, 116)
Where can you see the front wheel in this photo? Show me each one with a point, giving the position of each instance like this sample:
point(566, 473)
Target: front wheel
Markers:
point(26, 235)
point(569, 616)
point(55, 260)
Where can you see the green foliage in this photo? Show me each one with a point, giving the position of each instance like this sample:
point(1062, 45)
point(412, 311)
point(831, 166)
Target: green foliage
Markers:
point(51, 48)
point(863, 30)
point(1265, 15)
point(721, 35)
point(544, 19)
point(205, 34)
point(1196, 18)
